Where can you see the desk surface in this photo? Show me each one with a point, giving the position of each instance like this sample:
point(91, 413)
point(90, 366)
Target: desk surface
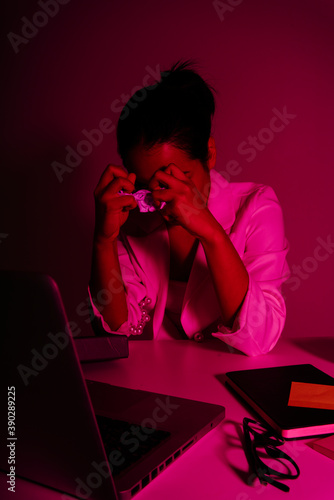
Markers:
point(215, 467)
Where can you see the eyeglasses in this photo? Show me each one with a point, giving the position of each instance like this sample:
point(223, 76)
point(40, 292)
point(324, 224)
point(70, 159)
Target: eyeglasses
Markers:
point(259, 436)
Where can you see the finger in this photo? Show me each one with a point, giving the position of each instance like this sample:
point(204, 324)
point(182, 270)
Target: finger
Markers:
point(118, 203)
point(163, 195)
point(168, 217)
point(175, 171)
point(164, 179)
point(109, 174)
point(129, 188)
point(128, 203)
point(118, 184)
point(132, 178)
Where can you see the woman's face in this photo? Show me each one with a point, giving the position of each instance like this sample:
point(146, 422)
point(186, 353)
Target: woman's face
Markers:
point(145, 163)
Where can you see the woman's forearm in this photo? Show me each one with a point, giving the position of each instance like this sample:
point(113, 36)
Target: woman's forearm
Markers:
point(229, 275)
point(106, 284)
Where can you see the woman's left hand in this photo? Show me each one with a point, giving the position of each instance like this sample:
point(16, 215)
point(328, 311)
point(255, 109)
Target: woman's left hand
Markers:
point(185, 205)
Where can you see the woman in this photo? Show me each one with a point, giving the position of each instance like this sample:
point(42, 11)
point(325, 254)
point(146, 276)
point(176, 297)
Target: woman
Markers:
point(211, 257)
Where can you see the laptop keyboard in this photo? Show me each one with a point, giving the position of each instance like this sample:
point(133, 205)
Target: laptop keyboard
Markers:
point(131, 440)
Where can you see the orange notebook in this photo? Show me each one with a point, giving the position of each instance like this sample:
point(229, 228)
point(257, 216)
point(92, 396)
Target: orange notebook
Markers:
point(312, 395)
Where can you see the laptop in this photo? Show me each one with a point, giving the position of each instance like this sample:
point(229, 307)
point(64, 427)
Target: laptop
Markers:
point(81, 437)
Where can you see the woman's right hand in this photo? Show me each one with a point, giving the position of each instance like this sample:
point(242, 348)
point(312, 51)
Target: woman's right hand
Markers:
point(112, 210)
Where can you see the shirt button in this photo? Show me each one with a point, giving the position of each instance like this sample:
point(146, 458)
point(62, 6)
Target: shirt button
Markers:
point(198, 337)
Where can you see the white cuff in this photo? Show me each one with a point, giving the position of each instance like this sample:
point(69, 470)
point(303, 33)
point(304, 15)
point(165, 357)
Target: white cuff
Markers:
point(126, 328)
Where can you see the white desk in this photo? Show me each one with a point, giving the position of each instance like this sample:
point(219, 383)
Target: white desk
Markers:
point(215, 467)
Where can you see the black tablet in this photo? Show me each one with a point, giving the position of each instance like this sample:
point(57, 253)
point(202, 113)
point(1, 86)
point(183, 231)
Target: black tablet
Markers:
point(267, 391)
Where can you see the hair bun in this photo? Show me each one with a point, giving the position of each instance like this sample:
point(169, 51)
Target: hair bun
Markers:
point(184, 81)
point(178, 109)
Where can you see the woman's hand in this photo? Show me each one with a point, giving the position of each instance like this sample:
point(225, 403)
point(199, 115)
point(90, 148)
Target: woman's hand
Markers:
point(185, 205)
point(112, 210)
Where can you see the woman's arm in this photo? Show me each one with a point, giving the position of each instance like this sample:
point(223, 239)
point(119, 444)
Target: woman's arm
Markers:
point(111, 211)
point(228, 273)
point(106, 284)
point(247, 286)
point(261, 318)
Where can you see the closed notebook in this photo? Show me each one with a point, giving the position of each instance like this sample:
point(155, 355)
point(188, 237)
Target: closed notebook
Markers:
point(267, 391)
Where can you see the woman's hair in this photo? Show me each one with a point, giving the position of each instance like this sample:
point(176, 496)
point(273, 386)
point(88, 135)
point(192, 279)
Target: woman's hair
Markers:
point(178, 109)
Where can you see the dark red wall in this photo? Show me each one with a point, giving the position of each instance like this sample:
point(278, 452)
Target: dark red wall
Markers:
point(69, 75)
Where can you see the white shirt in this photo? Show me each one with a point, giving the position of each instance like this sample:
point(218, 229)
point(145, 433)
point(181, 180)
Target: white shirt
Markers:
point(252, 217)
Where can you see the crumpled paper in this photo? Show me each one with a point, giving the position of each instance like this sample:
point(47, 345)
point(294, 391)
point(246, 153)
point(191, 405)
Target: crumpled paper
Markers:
point(144, 200)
